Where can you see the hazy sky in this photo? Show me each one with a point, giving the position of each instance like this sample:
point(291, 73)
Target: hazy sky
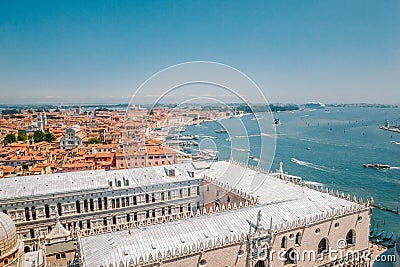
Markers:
point(296, 51)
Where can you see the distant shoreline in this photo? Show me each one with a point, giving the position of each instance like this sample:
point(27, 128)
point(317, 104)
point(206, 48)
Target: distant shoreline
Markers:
point(257, 107)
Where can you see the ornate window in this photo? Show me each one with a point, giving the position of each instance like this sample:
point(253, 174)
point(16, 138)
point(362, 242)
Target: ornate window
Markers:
point(33, 210)
point(351, 237)
point(284, 242)
point(298, 239)
point(59, 209)
point(323, 246)
point(27, 216)
point(291, 256)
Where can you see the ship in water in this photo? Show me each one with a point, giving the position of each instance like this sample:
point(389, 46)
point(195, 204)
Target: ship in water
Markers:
point(314, 105)
point(392, 128)
point(377, 166)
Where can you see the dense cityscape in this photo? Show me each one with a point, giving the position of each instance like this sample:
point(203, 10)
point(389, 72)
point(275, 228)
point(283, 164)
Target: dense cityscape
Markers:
point(199, 133)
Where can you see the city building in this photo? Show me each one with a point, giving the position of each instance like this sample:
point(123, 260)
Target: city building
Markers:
point(192, 214)
point(71, 139)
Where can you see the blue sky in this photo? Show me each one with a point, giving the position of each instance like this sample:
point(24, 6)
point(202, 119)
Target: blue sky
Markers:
point(296, 51)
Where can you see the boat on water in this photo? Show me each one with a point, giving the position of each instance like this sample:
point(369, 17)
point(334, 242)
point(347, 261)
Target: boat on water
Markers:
point(308, 148)
point(251, 157)
point(377, 166)
point(194, 143)
point(314, 105)
point(376, 235)
point(221, 131)
point(206, 154)
point(388, 237)
point(184, 137)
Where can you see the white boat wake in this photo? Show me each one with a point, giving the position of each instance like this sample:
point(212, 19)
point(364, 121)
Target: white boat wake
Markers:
point(254, 135)
point(208, 136)
point(394, 168)
point(311, 165)
point(236, 148)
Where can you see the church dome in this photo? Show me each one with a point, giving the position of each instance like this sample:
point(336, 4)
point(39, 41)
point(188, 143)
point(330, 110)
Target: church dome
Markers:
point(8, 235)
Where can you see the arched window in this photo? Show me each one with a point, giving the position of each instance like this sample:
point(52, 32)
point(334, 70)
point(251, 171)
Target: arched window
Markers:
point(323, 246)
point(47, 211)
point(78, 206)
point(5, 261)
point(228, 199)
point(91, 204)
point(298, 239)
point(284, 242)
point(217, 202)
point(85, 205)
point(33, 210)
point(291, 256)
point(59, 209)
point(99, 204)
point(27, 216)
point(105, 203)
point(351, 237)
point(260, 264)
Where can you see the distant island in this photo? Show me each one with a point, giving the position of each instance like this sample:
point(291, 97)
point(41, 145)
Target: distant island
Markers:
point(12, 109)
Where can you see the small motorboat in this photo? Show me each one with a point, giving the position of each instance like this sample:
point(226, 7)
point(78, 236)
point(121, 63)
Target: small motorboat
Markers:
point(390, 245)
point(387, 237)
point(308, 148)
point(377, 166)
point(251, 157)
point(377, 235)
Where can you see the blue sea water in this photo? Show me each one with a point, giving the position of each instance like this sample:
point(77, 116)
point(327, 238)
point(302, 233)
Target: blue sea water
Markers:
point(324, 146)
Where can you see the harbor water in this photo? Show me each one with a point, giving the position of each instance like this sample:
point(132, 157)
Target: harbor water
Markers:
point(325, 146)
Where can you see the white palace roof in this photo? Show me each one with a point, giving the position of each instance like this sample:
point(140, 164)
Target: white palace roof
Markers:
point(288, 204)
point(59, 183)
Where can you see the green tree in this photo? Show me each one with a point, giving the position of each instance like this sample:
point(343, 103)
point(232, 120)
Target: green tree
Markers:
point(22, 136)
point(49, 137)
point(38, 136)
point(94, 140)
point(10, 138)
